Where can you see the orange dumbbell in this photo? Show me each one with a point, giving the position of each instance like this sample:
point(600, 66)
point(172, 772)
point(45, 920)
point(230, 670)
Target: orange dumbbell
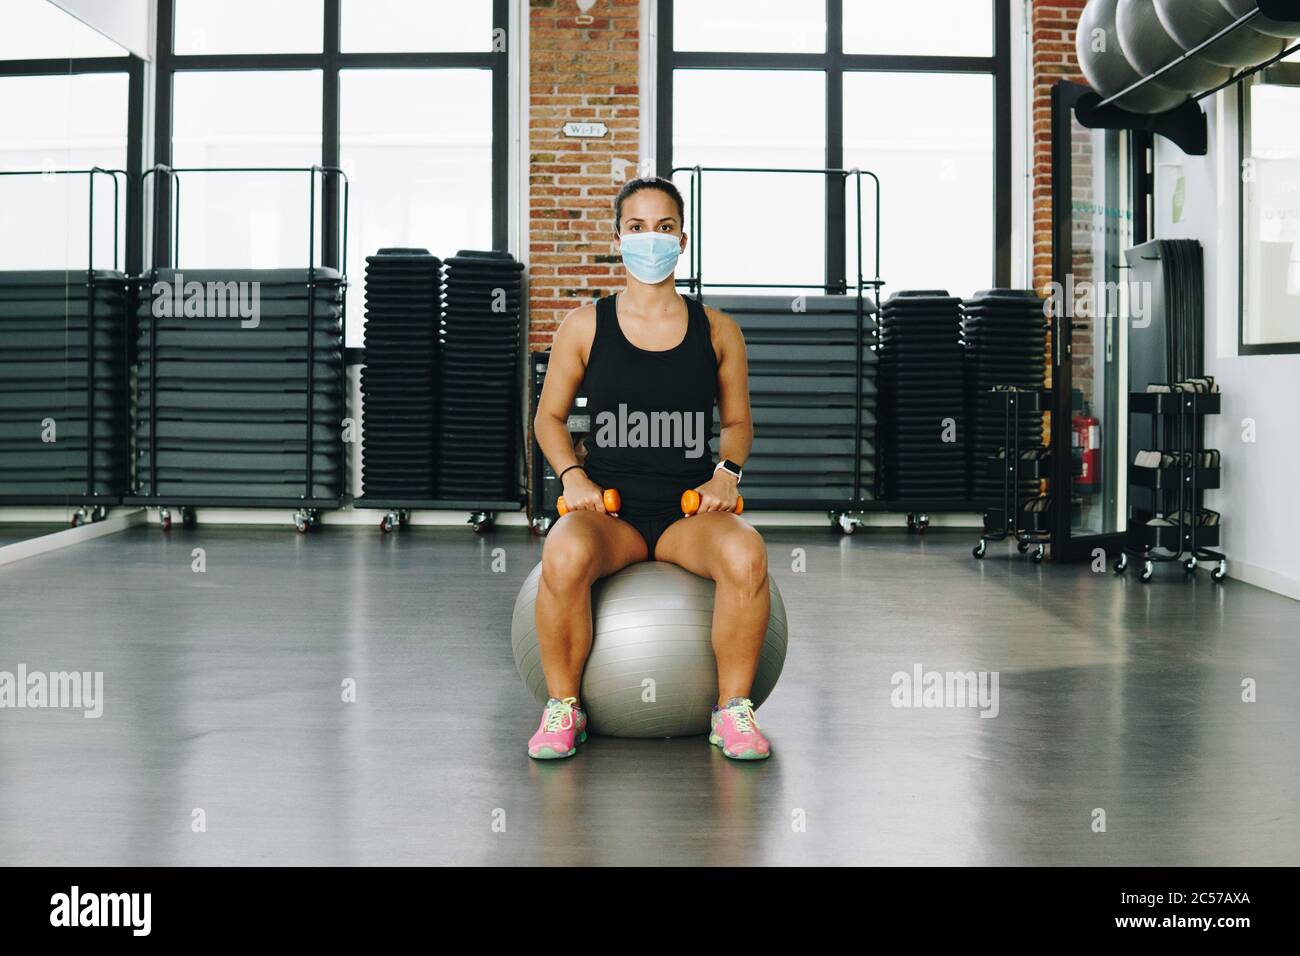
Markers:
point(691, 502)
point(613, 503)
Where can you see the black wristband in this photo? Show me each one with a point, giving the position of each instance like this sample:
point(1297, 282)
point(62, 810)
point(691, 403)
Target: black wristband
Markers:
point(569, 469)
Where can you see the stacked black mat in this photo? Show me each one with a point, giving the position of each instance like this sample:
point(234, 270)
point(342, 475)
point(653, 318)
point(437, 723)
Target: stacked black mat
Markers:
point(923, 420)
point(403, 305)
point(228, 419)
point(50, 323)
point(479, 379)
point(1005, 339)
point(802, 391)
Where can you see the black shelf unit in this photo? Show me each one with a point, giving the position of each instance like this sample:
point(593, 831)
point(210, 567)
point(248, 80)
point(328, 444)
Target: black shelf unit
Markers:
point(271, 416)
point(65, 350)
point(1176, 489)
point(1020, 462)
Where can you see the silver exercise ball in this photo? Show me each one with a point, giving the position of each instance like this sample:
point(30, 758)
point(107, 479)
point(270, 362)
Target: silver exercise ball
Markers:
point(1103, 63)
point(1192, 22)
point(1148, 46)
point(651, 671)
point(1273, 28)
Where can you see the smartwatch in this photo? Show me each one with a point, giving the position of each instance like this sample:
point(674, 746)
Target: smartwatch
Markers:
point(730, 467)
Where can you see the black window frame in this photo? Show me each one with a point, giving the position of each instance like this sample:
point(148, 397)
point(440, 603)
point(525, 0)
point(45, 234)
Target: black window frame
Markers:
point(834, 63)
point(330, 62)
point(133, 67)
point(1284, 74)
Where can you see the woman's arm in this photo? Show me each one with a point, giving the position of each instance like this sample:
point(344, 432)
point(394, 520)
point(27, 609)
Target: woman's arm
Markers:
point(564, 376)
point(736, 429)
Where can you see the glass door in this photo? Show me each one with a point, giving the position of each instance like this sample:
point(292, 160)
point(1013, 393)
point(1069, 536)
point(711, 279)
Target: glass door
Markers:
point(1094, 219)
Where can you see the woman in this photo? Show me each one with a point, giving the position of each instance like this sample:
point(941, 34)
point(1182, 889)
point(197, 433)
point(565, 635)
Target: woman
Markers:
point(651, 365)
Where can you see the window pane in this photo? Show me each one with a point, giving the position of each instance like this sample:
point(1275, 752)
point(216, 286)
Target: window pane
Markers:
point(1272, 226)
point(60, 122)
point(929, 137)
point(758, 227)
point(245, 118)
point(417, 148)
point(937, 28)
point(249, 26)
point(769, 26)
point(416, 26)
point(37, 29)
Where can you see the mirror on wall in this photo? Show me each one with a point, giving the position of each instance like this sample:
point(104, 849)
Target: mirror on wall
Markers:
point(63, 111)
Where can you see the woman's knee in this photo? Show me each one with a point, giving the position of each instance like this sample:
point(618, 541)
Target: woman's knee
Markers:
point(569, 560)
point(744, 560)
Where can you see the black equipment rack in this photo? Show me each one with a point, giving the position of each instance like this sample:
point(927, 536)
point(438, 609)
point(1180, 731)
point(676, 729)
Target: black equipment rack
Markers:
point(865, 294)
point(307, 506)
point(93, 503)
point(1177, 419)
point(1016, 463)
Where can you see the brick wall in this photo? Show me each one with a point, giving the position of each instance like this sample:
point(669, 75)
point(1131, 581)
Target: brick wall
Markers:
point(586, 73)
point(1052, 26)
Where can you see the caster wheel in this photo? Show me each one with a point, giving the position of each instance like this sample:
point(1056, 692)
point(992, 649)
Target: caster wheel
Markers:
point(1039, 554)
point(846, 523)
point(922, 522)
point(77, 520)
point(1220, 572)
point(1190, 565)
point(98, 513)
point(1148, 570)
point(386, 524)
point(911, 521)
point(980, 550)
point(189, 520)
point(1022, 547)
point(165, 519)
point(403, 519)
point(481, 521)
point(540, 525)
point(1122, 564)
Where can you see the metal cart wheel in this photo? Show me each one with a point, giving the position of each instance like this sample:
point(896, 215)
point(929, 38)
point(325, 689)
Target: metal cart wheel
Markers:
point(922, 522)
point(78, 518)
point(165, 518)
point(387, 522)
point(403, 518)
point(1220, 572)
point(911, 521)
point(1022, 547)
point(980, 550)
point(846, 523)
point(98, 513)
point(189, 520)
point(1039, 553)
point(482, 521)
point(1190, 565)
point(1148, 569)
point(1122, 564)
point(305, 519)
point(540, 525)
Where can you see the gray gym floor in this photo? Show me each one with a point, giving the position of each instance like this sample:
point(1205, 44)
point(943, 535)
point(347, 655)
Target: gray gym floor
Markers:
point(19, 531)
point(223, 694)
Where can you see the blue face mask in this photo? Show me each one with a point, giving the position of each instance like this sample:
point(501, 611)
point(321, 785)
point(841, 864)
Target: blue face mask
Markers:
point(650, 257)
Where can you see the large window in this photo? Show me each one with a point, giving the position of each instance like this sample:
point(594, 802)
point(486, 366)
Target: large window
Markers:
point(1270, 212)
point(407, 97)
point(65, 105)
point(920, 99)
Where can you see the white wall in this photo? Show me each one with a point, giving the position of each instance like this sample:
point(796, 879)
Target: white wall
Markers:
point(1260, 497)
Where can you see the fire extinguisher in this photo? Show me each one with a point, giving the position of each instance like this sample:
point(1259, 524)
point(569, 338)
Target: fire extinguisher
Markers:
point(1086, 433)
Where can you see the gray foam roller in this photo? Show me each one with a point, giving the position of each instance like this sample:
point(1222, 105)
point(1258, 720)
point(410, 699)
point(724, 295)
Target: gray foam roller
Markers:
point(1148, 46)
point(1192, 22)
point(1108, 71)
point(652, 622)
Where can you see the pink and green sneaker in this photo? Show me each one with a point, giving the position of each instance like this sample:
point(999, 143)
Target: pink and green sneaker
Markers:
point(736, 731)
point(563, 727)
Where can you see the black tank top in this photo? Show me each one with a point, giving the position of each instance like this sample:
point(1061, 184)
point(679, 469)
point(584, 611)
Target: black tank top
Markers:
point(651, 412)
